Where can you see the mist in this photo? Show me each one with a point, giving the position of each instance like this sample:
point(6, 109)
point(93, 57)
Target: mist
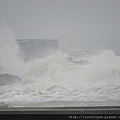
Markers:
point(82, 68)
point(76, 23)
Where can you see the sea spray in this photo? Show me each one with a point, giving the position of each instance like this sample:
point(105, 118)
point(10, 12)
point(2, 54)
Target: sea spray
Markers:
point(56, 77)
point(9, 51)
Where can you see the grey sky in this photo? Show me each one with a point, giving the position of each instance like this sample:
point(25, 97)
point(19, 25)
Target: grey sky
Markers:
point(75, 23)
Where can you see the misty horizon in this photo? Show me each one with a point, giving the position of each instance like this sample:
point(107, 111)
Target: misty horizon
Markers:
point(76, 23)
point(81, 67)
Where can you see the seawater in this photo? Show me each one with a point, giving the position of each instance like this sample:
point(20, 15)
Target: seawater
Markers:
point(59, 79)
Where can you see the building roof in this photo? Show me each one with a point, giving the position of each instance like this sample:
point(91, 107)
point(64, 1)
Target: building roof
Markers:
point(26, 40)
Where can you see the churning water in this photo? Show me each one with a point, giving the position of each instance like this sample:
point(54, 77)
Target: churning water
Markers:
point(59, 79)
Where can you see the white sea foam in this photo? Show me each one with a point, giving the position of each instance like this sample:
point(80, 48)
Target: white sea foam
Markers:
point(55, 77)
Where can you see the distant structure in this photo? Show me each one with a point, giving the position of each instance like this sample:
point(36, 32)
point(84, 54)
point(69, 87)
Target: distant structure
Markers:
point(32, 48)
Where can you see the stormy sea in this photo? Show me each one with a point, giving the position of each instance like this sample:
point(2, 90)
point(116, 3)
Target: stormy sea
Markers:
point(61, 79)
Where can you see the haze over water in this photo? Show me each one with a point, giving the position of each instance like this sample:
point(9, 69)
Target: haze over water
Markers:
point(78, 77)
point(85, 71)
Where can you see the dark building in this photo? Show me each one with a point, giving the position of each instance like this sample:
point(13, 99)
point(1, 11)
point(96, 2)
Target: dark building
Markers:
point(32, 48)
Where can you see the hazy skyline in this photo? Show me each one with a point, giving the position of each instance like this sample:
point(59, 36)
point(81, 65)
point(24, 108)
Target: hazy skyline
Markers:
point(75, 23)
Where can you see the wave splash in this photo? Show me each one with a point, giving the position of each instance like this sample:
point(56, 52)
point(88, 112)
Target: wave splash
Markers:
point(9, 51)
point(56, 77)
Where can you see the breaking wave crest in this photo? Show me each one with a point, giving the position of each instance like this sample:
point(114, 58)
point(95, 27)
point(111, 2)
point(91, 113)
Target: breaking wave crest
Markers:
point(9, 51)
point(55, 76)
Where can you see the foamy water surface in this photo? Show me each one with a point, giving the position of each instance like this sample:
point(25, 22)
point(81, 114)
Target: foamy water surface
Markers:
point(57, 77)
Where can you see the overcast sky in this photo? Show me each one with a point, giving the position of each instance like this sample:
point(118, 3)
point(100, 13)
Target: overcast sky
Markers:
point(75, 23)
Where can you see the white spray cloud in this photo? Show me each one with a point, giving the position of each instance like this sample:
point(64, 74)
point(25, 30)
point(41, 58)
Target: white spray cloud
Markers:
point(9, 51)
